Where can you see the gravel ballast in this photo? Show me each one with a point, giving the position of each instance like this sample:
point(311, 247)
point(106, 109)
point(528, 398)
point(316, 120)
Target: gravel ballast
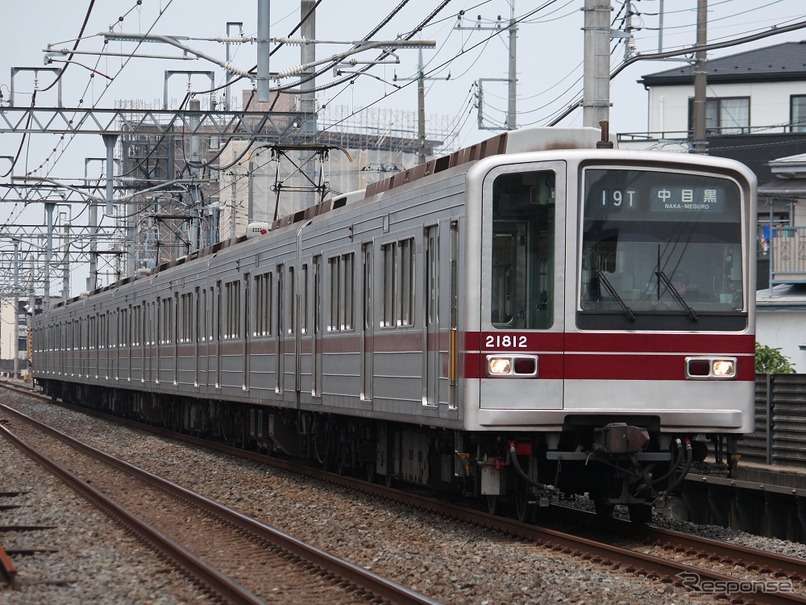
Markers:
point(449, 562)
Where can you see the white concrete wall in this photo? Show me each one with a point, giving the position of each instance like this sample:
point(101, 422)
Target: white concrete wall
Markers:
point(769, 103)
point(784, 330)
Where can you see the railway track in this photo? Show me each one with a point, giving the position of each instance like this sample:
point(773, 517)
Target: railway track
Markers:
point(704, 567)
point(237, 558)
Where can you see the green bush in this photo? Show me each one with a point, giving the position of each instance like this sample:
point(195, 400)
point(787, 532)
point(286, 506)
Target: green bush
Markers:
point(772, 361)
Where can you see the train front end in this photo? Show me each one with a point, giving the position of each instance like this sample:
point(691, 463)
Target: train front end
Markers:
point(615, 338)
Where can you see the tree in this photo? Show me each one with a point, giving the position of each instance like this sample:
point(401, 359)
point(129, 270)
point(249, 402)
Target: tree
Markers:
point(772, 361)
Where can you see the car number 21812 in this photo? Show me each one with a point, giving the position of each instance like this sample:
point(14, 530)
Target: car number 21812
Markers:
point(505, 341)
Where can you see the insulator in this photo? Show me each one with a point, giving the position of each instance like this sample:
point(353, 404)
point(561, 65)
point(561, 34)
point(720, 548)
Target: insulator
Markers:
point(238, 39)
point(231, 67)
point(291, 71)
point(291, 41)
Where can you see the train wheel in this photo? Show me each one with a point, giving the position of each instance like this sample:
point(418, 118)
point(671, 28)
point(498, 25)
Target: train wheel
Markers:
point(640, 513)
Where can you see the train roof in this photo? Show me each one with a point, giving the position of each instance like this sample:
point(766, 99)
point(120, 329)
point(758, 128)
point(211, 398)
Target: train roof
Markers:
point(515, 141)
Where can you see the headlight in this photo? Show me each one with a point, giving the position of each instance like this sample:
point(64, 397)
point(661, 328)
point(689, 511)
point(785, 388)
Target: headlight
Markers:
point(724, 368)
point(516, 366)
point(720, 368)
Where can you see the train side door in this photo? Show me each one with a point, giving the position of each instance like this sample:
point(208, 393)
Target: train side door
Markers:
point(431, 343)
point(247, 326)
point(367, 327)
point(316, 339)
point(279, 366)
point(522, 293)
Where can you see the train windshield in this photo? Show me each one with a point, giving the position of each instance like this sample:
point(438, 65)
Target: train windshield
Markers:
point(659, 244)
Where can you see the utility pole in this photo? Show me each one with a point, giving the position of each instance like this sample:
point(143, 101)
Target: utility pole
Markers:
point(421, 159)
point(512, 79)
point(15, 325)
point(596, 73)
point(263, 33)
point(308, 128)
point(699, 142)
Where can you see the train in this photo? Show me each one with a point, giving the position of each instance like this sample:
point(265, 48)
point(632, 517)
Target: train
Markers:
point(537, 315)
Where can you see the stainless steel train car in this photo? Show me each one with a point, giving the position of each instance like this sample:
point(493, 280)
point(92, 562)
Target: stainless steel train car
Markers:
point(534, 314)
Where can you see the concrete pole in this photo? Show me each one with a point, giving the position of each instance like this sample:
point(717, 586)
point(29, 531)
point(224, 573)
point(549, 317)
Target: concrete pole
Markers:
point(512, 115)
point(596, 74)
point(263, 34)
point(699, 142)
point(15, 325)
point(420, 110)
point(49, 207)
point(196, 172)
point(66, 267)
point(92, 279)
point(308, 102)
point(109, 141)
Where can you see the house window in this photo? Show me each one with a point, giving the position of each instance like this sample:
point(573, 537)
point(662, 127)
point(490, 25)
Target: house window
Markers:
point(797, 113)
point(730, 115)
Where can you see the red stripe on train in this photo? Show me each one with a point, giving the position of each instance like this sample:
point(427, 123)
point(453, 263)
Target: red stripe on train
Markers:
point(577, 356)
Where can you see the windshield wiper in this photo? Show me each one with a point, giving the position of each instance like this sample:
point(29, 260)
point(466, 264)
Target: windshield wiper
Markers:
point(676, 295)
point(612, 291)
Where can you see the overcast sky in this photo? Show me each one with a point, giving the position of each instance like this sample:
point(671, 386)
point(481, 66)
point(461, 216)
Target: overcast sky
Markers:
point(549, 60)
point(549, 57)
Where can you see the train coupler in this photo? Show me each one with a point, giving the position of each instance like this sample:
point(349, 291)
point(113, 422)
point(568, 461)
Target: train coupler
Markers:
point(621, 438)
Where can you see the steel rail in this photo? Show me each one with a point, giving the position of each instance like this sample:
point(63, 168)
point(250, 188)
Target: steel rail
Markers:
point(621, 558)
point(196, 568)
point(376, 585)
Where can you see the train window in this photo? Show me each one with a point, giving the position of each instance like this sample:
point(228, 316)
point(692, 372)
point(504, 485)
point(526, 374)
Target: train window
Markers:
point(232, 317)
point(317, 302)
point(341, 303)
point(406, 282)
point(522, 289)
point(303, 303)
point(335, 281)
point(398, 283)
point(93, 334)
point(292, 308)
point(431, 246)
point(166, 323)
point(367, 279)
point(198, 316)
point(280, 307)
point(348, 318)
point(263, 304)
point(217, 301)
point(202, 306)
point(183, 318)
point(135, 325)
point(659, 243)
point(122, 325)
point(388, 252)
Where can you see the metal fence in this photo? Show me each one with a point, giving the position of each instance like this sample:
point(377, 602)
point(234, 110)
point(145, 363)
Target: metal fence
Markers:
point(780, 435)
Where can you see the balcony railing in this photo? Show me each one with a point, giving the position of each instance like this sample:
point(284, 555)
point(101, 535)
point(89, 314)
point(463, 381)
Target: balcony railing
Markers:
point(788, 255)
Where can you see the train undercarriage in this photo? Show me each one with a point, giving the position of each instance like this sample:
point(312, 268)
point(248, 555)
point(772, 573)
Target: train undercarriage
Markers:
point(613, 463)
